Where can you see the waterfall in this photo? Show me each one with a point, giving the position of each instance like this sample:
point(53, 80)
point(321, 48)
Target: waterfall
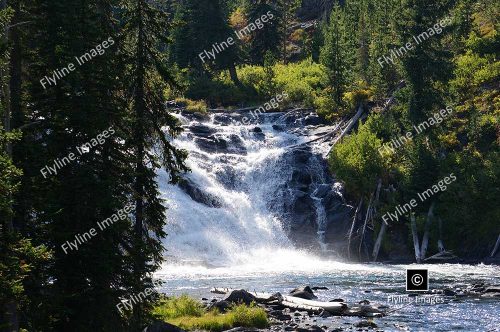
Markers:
point(250, 196)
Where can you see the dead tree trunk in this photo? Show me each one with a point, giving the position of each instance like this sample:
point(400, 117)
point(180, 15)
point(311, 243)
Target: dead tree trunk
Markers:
point(351, 124)
point(440, 241)
point(495, 249)
point(425, 239)
point(351, 231)
point(367, 217)
point(415, 237)
point(378, 243)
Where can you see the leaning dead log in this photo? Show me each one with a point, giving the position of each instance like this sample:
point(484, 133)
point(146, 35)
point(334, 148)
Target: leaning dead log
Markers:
point(380, 237)
point(442, 256)
point(415, 237)
point(495, 249)
point(425, 239)
point(351, 231)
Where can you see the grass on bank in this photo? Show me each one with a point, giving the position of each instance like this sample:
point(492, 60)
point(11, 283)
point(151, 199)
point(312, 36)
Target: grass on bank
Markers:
point(190, 314)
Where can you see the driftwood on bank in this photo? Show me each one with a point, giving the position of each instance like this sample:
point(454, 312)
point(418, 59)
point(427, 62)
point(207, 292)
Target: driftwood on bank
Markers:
point(292, 301)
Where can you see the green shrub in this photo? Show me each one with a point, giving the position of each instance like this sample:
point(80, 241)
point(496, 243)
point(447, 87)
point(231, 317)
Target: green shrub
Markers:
point(190, 314)
point(194, 106)
point(175, 307)
point(303, 81)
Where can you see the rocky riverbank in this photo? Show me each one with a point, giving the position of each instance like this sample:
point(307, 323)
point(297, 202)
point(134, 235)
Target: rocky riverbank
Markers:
point(360, 316)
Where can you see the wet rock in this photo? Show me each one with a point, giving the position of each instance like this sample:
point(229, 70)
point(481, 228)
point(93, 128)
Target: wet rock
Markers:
point(159, 326)
point(202, 130)
point(319, 288)
point(279, 315)
point(240, 296)
point(224, 119)
point(278, 128)
point(325, 314)
point(221, 306)
point(492, 289)
point(449, 292)
point(199, 195)
point(204, 299)
point(364, 302)
point(365, 323)
point(304, 292)
point(243, 329)
point(313, 120)
point(257, 130)
point(337, 300)
point(217, 144)
point(211, 144)
point(313, 328)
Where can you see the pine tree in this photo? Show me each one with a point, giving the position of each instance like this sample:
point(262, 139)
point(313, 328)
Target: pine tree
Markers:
point(337, 54)
point(267, 39)
point(145, 28)
point(288, 9)
point(84, 107)
point(199, 25)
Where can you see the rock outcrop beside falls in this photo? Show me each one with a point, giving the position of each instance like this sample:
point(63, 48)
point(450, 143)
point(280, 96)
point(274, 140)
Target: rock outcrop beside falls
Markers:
point(306, 199)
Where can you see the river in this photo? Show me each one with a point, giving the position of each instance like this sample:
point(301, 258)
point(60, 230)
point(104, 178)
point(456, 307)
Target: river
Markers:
point(260, 211)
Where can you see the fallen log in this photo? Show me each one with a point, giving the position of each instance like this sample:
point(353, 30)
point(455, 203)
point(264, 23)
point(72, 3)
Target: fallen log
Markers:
point(293, 302)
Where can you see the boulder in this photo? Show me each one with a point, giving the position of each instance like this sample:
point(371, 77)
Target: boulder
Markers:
point(159, 326)
point(278, 127)
point(304, 293)
point(313, 328)
point(199, 195)
point(492, 289)
point(221, 306)
point(240, 296)
point(279, 315)
point(365, 323)
point(313, 120)
point(201, 130)
point(243, 329)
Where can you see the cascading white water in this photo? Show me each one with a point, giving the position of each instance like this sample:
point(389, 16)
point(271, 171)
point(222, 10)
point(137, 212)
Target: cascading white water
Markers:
point(242, 231)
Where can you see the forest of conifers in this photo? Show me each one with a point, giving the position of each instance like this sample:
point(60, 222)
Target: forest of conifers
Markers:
point(85, 94)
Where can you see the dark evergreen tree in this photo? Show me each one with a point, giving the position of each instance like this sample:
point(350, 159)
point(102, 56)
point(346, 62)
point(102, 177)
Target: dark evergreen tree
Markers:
point(267, 39)
point(82, 108)
point(199, 25)
point(152, 126)
point(337, 54)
